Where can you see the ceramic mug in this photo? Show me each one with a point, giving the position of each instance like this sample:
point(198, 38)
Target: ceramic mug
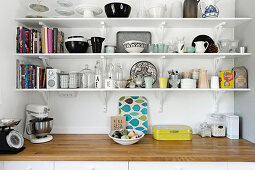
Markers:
point(148, 82)
point(190, 49)
point(215, 82)
point(163, 82)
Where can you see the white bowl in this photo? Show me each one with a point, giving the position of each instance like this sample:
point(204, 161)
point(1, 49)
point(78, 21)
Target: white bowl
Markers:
point(134, 46)
point(157, 12)
point(127, 141)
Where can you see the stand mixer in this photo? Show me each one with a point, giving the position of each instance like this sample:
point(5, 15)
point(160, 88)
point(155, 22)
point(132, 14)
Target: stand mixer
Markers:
point(38, 124)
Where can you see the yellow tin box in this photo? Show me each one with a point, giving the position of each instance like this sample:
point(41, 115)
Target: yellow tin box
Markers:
point(172, 132)
point(227, 79)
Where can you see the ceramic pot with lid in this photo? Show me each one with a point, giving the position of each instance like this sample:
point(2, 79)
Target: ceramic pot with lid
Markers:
point(190, 8)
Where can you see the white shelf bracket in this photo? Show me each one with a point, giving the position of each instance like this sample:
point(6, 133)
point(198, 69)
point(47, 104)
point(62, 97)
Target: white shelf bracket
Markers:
point(105, 102)
point(45, 96)
point(44, 61)
point(218, 30)
point(162, 65)
point(42, 24)
point(216, 100)
point(161, 101)
point(162, 30)
point(217, 62)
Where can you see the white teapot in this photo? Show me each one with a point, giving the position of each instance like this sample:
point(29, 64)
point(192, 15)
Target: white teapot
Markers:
point(209, 8)
point(200, 46)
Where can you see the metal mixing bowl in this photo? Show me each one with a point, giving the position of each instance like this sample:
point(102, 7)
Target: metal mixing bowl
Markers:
point(41, 127)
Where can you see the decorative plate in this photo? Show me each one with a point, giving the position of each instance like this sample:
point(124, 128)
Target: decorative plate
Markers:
point(134, 108)
point(144, 69)
point(64, 12)
point(203, 38)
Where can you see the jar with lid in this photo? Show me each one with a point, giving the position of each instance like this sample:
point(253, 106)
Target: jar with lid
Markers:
point(218, 125)
point(64, 80)
point(205, 130)
point(73, 80)
point(87, 78)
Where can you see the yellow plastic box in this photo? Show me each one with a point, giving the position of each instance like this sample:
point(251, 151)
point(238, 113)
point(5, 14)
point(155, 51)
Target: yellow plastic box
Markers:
point(227, 79)
point(172, 132)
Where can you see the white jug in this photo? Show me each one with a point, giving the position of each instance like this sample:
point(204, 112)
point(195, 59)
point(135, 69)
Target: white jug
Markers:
point(209, 8)
point(200, 46)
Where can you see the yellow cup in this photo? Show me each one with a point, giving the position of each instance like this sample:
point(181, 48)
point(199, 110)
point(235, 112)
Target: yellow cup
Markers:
point(163, 82)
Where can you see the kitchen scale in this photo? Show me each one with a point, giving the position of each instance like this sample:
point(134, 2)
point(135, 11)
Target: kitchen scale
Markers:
point(11, 141)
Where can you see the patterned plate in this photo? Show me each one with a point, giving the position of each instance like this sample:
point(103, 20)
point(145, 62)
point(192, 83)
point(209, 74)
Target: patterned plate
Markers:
point(144, 69)
point(134, 108)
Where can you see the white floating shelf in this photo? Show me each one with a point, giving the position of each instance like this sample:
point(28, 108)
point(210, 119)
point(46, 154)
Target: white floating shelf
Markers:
point(132, 22)
point(132, 90)
point(133, 55)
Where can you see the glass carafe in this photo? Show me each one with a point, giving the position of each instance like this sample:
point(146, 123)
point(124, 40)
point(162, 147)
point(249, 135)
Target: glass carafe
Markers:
point(87, 78)
point(98, 75)
point(119, 72)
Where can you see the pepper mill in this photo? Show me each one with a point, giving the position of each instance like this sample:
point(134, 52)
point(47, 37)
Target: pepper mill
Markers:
point(190, 8)
point(203, 80)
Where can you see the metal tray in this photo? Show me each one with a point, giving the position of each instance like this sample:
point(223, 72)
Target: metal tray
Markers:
point(9, 122)
point(123, 36)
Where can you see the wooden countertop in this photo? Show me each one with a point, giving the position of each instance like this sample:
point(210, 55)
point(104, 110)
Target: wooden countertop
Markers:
point(101, 148)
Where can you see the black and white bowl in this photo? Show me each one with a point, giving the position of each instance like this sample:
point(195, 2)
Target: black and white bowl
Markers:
point(134, 46)
point(77, 44)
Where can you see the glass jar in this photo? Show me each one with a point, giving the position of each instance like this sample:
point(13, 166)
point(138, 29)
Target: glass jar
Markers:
point(73, 80)
point(87, 78)
point(218, 125)
point(119, 72)
point(205, 130)
point(64, 80)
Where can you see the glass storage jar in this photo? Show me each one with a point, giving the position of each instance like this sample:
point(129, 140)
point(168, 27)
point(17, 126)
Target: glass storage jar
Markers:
point(73, 80)
point(87, 78)
point(218, 125)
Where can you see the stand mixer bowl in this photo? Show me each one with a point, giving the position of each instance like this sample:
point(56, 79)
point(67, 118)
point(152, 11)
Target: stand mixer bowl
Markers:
point(41, 127)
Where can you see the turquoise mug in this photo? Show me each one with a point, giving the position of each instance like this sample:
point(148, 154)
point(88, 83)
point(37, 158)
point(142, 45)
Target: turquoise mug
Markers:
point(190, 49)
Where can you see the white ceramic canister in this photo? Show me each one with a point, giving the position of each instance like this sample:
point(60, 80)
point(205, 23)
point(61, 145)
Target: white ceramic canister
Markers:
point(110, 49)
point(215, 82)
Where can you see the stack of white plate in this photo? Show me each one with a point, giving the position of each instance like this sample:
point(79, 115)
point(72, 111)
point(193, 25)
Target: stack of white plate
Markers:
point(188, 84)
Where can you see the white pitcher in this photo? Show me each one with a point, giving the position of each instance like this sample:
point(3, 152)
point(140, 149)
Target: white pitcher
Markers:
point(200, 46)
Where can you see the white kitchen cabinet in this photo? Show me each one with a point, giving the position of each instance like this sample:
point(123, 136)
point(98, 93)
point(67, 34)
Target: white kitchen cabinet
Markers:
point(241, 166)
point(1, 165)
point(178, 166)
point(59, 165)
point(28, 165)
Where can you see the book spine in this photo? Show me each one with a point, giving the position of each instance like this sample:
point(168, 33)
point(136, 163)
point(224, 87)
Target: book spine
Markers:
point(23, 75)
point(46, 39)
point(31, 40)
point(21, 40)
point(35, 42)
point(30, 76)
point(34, 77)
point(27, 35)
point(62, 42)
point(50, 41)
point(39, 42)
point(26, 76)
point(38, 77)
point(55, 40)
point(42, 40)
point(18, 39)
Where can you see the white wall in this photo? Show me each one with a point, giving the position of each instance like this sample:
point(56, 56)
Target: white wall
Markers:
point(244, 102)
point(13, 103)
point(84, 114)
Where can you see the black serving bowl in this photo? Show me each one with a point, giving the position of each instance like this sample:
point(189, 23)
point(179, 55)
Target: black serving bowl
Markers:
point(117, 10)
point(76, 44)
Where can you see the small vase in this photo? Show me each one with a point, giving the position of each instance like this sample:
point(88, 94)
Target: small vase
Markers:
point(203, 80)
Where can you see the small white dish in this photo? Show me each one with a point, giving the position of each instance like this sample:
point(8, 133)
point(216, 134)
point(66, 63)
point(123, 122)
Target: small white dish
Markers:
point(134, 46)
point(127, 141)
point(88, 11)
point(64, 12)
point(65, 3)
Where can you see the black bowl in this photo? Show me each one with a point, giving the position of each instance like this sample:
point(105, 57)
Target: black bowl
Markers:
point(117, 10)
point(74, 45)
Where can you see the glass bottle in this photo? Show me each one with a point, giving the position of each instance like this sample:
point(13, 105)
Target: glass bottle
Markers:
point(87, 78)
point(119, 72)
point(98, 75)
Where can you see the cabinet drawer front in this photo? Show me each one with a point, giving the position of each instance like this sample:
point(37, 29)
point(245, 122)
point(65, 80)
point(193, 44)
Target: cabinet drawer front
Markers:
point(28, 165)
point(241, 166)
point(177, 166)
point(91, 165)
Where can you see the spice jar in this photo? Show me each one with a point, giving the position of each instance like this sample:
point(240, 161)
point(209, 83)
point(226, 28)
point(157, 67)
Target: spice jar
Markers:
point(205, 130)
point(195, 74)
point(186, 75)
point(218, 125)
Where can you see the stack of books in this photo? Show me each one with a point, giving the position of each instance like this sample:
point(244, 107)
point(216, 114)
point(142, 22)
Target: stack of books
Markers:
point(46, 40)
point(30, 76)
